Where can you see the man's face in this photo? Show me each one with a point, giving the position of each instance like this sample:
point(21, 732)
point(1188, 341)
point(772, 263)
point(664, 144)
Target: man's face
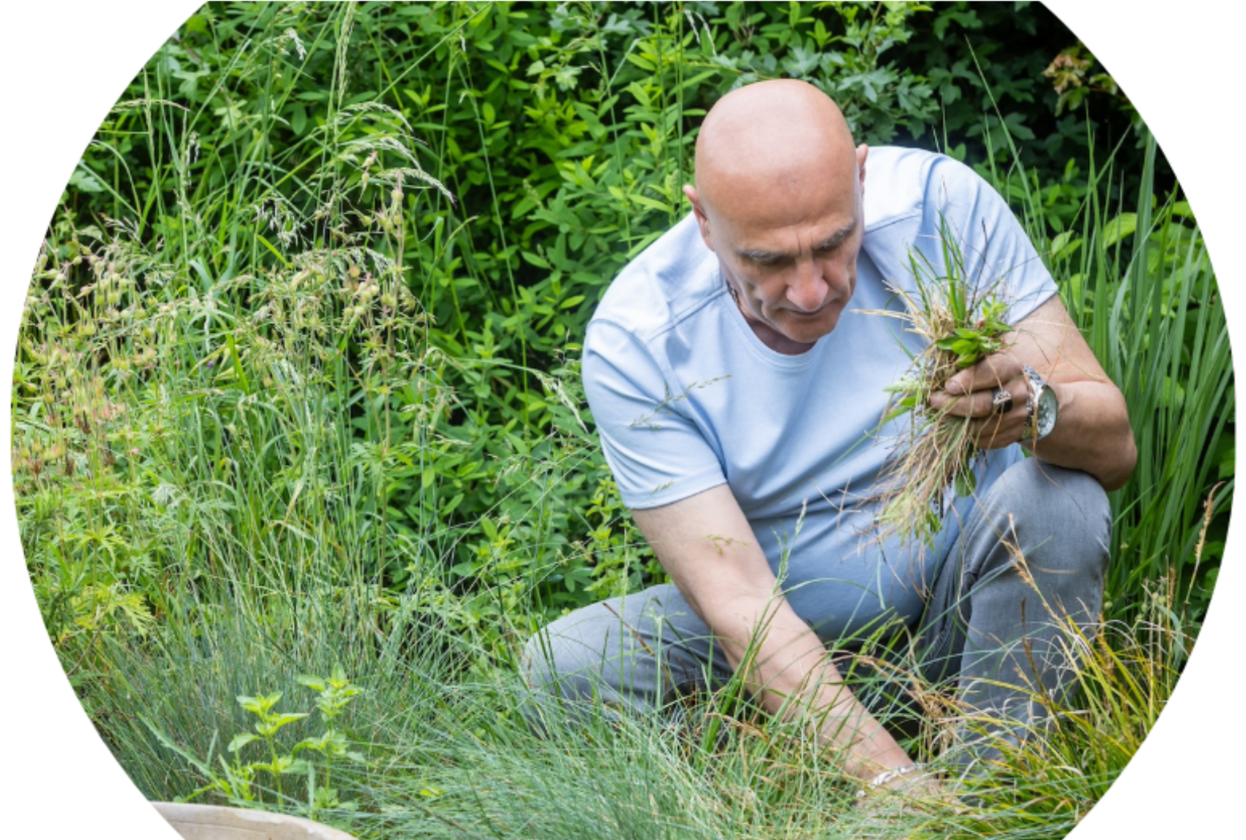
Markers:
point(790, 253)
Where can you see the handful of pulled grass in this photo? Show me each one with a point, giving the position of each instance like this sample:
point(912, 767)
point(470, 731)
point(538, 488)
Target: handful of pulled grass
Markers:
point(960, 321)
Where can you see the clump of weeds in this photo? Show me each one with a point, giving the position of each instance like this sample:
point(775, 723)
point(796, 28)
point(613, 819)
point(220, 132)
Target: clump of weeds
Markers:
point(959, 320)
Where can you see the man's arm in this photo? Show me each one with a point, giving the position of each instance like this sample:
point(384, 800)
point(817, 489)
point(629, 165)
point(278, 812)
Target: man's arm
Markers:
point(1092, 433)
point(706, 545)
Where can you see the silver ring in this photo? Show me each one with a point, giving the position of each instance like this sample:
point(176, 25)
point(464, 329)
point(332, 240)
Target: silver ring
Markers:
point(1001, 401)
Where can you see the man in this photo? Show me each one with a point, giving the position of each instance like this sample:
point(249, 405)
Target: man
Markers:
point(737, 380)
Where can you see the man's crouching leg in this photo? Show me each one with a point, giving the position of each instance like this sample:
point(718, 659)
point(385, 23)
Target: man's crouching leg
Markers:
point(1017, 598)
point(640, 652)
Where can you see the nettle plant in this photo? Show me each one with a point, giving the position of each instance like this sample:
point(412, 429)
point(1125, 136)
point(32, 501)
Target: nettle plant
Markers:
point(239, 780)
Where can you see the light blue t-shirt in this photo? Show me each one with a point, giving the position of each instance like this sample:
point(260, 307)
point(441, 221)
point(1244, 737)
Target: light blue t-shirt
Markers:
point(686, 397)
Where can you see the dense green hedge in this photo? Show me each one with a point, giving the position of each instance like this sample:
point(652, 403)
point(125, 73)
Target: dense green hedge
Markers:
point(565, 130)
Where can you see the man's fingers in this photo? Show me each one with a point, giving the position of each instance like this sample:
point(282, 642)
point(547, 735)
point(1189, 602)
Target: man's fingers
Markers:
point(972, 405)
point(991, 372)
point(982, 403)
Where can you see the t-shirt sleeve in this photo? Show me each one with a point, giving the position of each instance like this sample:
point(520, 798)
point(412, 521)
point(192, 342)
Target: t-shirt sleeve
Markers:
point(654, 448)
point(996, 254)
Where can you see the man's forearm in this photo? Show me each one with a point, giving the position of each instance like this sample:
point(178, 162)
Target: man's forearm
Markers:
point(785, 659)
point(708, 548)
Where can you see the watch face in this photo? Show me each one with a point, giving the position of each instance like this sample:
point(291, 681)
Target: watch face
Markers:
point(1045, 413)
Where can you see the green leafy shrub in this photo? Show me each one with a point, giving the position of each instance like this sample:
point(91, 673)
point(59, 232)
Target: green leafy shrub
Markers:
point(495, 166)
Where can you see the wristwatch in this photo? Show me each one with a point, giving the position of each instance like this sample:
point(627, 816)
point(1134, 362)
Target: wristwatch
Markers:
point(1042, 406)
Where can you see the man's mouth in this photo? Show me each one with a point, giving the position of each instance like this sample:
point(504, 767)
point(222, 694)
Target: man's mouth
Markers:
point(800, 313)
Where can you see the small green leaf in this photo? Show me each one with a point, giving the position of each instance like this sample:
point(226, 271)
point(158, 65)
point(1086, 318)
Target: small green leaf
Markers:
point(1119, 227)
point(1227, 465)
point(966, 482)
point(240, 741)
point(1210, 576)
point(652, 204)
point(489, 528)
point(259, 704)
point(270, 725)
point(1181, 208)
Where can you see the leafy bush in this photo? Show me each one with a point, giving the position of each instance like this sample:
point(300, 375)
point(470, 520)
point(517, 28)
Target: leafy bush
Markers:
point(537, 148)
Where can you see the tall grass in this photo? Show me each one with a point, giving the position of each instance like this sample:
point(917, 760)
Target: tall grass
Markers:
point(454, 757)
point(268, 589)
point(1137, 280)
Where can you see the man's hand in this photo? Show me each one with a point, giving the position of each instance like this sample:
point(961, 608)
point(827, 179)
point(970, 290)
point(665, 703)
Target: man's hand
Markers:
point(706, 545)
point(1092, 433)
point(907, 794)
point(972, 393)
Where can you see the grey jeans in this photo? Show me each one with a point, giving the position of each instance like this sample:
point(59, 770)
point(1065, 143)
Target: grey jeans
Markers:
point(1026, 569)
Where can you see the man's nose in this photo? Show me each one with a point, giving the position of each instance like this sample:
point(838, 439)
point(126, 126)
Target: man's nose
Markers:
point(808, 289)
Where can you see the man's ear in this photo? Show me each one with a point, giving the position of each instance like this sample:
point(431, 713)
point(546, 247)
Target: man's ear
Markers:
point(863, 152)
point(698, 210)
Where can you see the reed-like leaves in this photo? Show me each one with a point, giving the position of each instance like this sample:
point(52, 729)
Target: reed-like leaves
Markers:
point(1138, 282)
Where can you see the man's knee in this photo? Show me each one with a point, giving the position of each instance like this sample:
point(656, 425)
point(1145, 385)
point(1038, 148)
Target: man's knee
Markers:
point(536, 662)
point(1058, 514)
point(597, 652)
point(566, 657)
point(1073, 493)
point(562, 677)
point(1053, 527)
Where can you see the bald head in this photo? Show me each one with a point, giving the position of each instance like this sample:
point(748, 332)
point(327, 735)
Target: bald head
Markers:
point(778, 198)
point(768, 138)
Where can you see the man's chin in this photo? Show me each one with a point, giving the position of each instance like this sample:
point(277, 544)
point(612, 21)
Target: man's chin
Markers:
point(804, 330)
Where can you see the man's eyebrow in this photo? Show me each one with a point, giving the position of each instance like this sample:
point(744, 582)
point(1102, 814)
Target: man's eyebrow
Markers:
point(830, 242)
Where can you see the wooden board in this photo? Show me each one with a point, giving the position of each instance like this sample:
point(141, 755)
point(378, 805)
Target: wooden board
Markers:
point(216, 822)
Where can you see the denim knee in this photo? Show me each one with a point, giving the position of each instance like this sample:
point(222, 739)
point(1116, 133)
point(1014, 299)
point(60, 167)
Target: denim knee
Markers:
point(561, 680)
point(1048, 528)
point(559, 662)
point(1057, 514)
